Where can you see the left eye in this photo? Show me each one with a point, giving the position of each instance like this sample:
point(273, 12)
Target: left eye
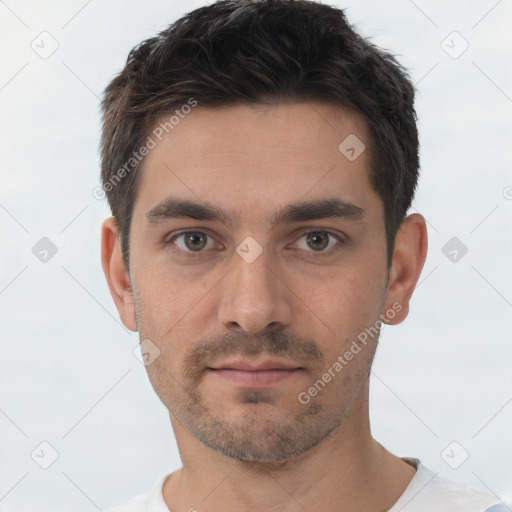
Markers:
point(319, 241)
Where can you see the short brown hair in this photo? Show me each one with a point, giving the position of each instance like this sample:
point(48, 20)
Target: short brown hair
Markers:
point(261, 51)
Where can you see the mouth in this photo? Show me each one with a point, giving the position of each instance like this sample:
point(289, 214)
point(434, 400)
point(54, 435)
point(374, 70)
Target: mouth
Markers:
point(247, 374)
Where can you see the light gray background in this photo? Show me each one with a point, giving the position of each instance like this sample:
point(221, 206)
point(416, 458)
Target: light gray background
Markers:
point(68, 374)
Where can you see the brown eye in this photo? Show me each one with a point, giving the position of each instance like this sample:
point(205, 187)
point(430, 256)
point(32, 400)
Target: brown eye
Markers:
point(318, 240)
point(190, 243)
point(195, 241)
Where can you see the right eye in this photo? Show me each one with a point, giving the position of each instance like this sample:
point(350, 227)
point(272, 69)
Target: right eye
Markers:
point(190, 243)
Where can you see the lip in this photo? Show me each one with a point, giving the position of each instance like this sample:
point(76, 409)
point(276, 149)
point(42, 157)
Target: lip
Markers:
point(256, 379)
point(267, 364)
point(250, 375)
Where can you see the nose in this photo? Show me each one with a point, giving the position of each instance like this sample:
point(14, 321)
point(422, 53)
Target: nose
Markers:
point(255, 297)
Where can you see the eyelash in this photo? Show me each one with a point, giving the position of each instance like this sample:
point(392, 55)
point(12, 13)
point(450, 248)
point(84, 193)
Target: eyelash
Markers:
point(191, 254)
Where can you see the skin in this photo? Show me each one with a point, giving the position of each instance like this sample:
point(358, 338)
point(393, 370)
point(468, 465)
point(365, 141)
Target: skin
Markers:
point(247, 449)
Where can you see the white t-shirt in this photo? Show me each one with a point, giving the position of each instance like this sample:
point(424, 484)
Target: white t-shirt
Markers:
point(426, 492)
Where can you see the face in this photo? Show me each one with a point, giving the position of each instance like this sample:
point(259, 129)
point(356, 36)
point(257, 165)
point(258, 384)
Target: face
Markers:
point(257, 258)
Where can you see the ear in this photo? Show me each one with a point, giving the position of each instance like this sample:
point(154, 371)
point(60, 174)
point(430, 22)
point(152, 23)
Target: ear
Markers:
point(117, 276)
point(408, 260)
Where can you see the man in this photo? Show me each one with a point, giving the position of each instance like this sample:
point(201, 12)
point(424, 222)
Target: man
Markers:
point(259, 158)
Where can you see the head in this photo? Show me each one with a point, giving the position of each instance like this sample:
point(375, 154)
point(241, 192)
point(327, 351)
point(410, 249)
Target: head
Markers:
point(286, 145)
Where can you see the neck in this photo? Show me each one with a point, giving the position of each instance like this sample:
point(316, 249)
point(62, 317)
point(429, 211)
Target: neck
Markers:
point(349, 470)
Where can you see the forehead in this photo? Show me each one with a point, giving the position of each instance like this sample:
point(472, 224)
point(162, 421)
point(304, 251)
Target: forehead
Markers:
point(248, 158)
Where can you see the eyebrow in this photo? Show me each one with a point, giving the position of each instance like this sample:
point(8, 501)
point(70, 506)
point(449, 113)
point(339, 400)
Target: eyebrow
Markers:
point(176, 208)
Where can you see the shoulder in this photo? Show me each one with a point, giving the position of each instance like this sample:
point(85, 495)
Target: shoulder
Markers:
point(135, 504)
point(151, 501)
point(429, 491)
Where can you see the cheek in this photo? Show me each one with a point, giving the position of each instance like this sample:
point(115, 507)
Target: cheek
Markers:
point(347, 298)
point(171, 316)
point(166, 296)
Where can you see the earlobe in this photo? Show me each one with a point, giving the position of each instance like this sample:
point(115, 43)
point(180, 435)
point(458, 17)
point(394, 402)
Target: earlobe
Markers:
point(408, 260)
point(116, 274)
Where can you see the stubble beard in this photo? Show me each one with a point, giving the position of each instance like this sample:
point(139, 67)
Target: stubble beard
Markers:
point(254, 437)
